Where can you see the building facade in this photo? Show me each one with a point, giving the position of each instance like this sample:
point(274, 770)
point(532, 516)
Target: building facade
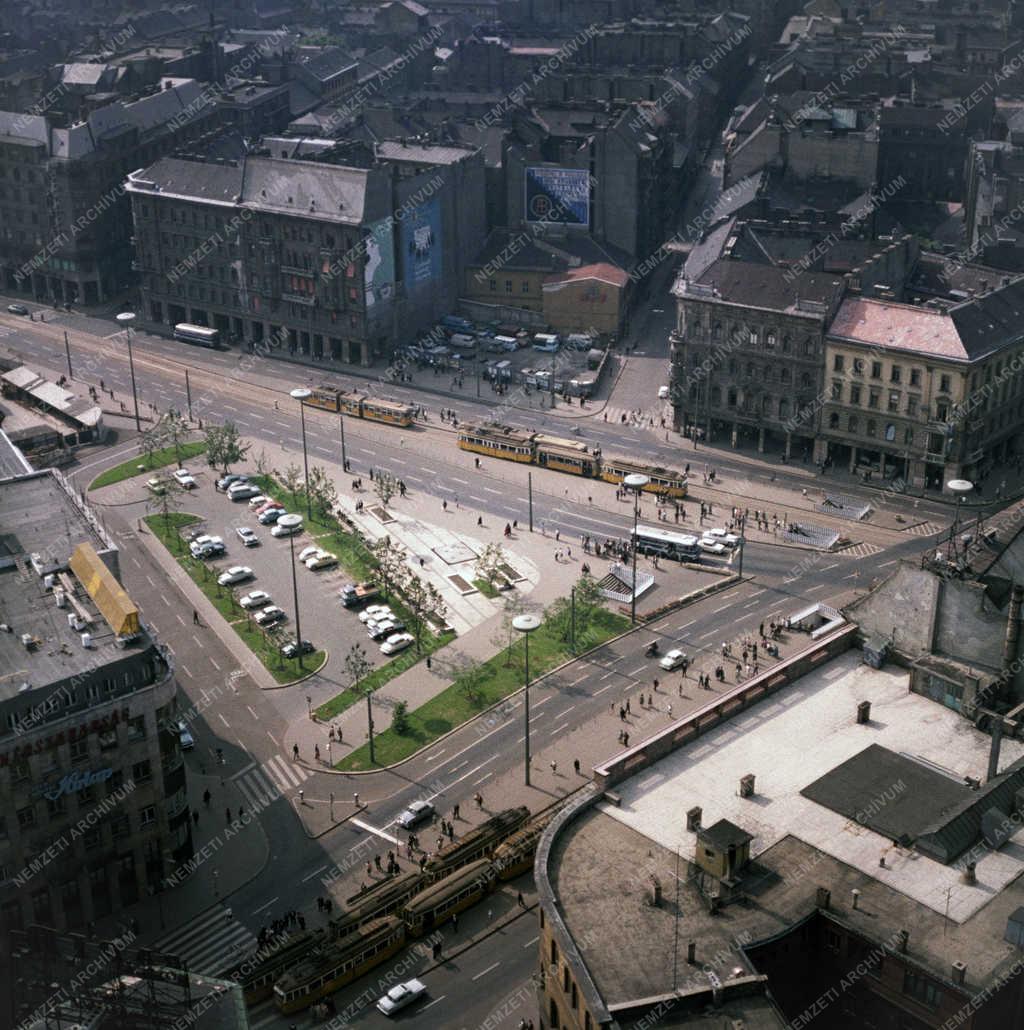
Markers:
point(93, 803)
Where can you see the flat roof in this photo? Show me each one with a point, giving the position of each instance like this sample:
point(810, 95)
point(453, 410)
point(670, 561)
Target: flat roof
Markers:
point(806, 731)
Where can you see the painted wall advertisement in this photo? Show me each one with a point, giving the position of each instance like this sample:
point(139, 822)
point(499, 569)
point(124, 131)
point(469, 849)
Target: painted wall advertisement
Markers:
point(379, 270)
point(558, 195)
point(421, 246)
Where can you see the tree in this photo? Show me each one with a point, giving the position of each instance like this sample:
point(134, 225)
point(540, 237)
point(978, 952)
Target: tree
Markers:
point(589, 602)
point(512, 605)
point(391, 565)
point(425, 605)
point(400, 717)
point(151, 441)
point(488, 563)
point(291, 478)
point(358, 667)
point(385, 486)
point(176, 432)
point(322, 492)
point(224, 446)
point(468, 674)
point(165, 503)
point(262, 462)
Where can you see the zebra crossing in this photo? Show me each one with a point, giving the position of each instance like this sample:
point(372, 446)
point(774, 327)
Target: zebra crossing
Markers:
point(620, 416)
point(260, 784)
point(210, 943)
point(924, 529)
point(860, 550)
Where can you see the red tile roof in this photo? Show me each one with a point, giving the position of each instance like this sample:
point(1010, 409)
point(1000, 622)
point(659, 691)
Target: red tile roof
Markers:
point(601, 271)
point(881, 323)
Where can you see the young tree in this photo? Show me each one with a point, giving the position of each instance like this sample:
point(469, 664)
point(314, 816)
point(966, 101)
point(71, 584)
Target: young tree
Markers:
point(467, 673)
point(262, 462)
point(151, 441)
point(357, 665)
point(589, 602)
point(488, 563)
point(165, 503)
point(322, 492)
point(391, 565)
point(400, 717)
point(176, 432)
point(291, 479)
point(224, 446)
point(385, 486)
point(512, 605)
point(425, 605)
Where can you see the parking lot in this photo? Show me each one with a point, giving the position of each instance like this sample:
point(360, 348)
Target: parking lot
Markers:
point(326, 623)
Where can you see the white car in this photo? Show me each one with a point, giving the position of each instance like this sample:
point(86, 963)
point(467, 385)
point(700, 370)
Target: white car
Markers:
point(206, 546)
point(288, 529)
point(270, 615)
point(255, 599)
point(258, 501)
point(397, 642)
point(307, 552)
point(322, 560)
point(242, 491)
point(247, 536)
point(401, 995)
point(712, 545)
point(663, 393)
point(673, 659)
point(384, 628)
point(185, 479)
point(723, 537)
point(236, 574)
point(375, 612)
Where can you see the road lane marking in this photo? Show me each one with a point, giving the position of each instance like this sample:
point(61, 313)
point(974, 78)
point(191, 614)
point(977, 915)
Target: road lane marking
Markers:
point(149, 579)
point(213, 662)
point(679, 629)
point(316, 873)
point(486, 776)
point(542, 701)
point(185, 670)
point(456, 768)
point(251, 712)
point(267, 904)
point(761, 591)
point(559, 729)
point(603, 689)
point(223, 720)
point(484, 972)
point(834, 565)
point(722, 609)
point(273, 738)
point(374, 831)
point(462, 481)
point(530, 944)
point(199, 643)
point(434, 1002)
point(885, 563)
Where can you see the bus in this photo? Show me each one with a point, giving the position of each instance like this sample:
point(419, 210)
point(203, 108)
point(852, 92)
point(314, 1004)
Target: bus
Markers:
point(663, 542)
point(197, 334)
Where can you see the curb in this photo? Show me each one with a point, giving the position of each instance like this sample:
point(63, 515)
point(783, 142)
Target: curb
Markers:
point(694, 595)
point(301, 679)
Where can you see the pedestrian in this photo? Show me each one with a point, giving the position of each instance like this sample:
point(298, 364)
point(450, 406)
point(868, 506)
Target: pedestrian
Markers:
point(455, 922)
point(576, 766)
point(295, 752)
point(369, 870)
point(240, 812)
point(206, 798)
point(455, 812)
point(429, 663)
point(670, 711)
point(376, 862)
point(554, 766)
point(655, 684)
point(628, 712)
point(625, 739)
point(622, 713)
point(641, 700)
point(195, 817)
point(302, 922)
point(480, 520)
point(316, 752)
point(444, 506)
point(520, 900)
point(195, 617)
point(478, 799)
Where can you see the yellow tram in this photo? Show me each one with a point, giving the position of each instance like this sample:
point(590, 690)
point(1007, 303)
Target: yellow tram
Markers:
point(261, 969)
point(561, 455)
point(337, 964)
point(497, 441)
point(359, 405)
point(455, 892)
point(476, 844)
point(661, 481)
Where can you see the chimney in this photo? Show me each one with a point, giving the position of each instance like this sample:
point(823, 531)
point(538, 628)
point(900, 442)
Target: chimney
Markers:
point(993, 754)
point(959, 972)
point(1011, 644)
point(970, 876)
point(747, 786)
point(863, 713)
point(855, 898)
point(823, 898)
point(691, 953)
point(693, 817)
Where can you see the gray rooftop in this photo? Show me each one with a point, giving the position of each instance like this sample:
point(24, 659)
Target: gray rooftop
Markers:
point(12, 461)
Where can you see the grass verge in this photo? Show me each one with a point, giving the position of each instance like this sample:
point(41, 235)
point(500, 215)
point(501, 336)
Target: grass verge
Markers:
point(158, 459)
point(168, 532)
point(482, 687)
point(486, 588)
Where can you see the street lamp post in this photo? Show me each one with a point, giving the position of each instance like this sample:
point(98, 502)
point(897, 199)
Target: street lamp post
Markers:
point(526, 624)
point(344, 456)
point(300, 393)
point(635, 481)
point(958, 487)
point(126, 318)
point(369, 725)
point(295, 597)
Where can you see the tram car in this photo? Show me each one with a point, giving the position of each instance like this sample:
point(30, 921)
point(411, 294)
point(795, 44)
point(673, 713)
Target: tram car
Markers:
point(359, 405)
point(257, 973)
point(478, 843)
point(514, 855)
point(382, 899)
point(563, 455)
point(442, 900)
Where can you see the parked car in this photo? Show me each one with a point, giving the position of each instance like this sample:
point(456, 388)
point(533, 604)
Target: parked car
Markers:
point(375, 612)
point(729, 539)
point(247, 536)
point(242, 491)
point(384, 628)
point(291, 649)
point(204, 546)
point(397, 642)
point(415, 814)
point(185, 738)
point(265, 505)
point(269, 516)
point(663, 393)
point(673, 659)
point(236, 574)
point(711, 545)
point(185, 479)
point(232, 477)
point(307, 552)
point(270, 615)
point(286, 527)
point(354, 594)
point(258, 502)
point(322, 560)
point(158, 485)
point(255, 599)
point(17, 309)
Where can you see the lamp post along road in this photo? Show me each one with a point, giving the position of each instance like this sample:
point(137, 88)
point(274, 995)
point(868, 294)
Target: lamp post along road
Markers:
point(300, 393)
point(635, 481)
point(344, 456)
point(526, 624)
point(126, 318)
point(295, 597)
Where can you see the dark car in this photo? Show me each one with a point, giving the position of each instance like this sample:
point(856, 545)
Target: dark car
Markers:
point(229, 480)
point(291, 649)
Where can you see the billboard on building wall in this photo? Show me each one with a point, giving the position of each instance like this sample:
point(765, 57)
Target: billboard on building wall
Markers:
point(421, 246)
point(557, 195)
point(379, 270)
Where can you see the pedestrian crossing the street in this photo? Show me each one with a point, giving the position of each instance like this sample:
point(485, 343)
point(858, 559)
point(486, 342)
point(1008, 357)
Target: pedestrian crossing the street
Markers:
point(924, 529)
point(625, 417)
point(260, 784)
point(211, 943)
point(860, 550)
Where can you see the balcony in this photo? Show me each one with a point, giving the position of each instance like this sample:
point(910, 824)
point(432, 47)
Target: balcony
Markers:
point(298, 298)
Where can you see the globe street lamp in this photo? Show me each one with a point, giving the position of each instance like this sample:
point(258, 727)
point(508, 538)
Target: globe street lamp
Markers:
point(635, 481)
point(126, 318)
point(298, 619)
point(958, 487)
point(300, 393)
point(526, 624)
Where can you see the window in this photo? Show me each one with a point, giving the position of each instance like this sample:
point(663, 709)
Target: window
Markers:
point(873, 396)
point(93, 838)
point(833, 420)
point(908, 436)
point(876, 370)
point(858, 366)
point(752, 337)
point(890, 432)
point(26, 817)
point(137, 728)
point(895, 374)
point(912, 405)
point(525, 286)
point(119, 826)
point(871, 427)
point(941, 411)
point(853, 424)
point(141, 772)
point(838, 363)
point(855, 393)
point(915, 377)
point(837, 391)
point(147, 816)
point(769, 340)
point(833, 941)
point(944, 384)
point(58, 806)
point(921, 988)
point(508, 285)
point(894, 401)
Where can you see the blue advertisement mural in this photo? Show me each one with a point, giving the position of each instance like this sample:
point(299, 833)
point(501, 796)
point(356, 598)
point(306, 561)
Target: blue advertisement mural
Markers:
point(379, 270)
point(558, 195)
point(421, 246)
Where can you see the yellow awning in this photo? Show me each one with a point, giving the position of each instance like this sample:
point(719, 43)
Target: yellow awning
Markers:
point(110, 597)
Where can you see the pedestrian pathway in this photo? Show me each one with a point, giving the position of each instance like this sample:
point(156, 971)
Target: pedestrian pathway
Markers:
point(925, 529)
point(211, 943)
point(257, 783)
point(861, 550)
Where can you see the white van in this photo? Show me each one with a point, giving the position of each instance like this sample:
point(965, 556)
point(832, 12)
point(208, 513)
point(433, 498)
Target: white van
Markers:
point(579, 341)
point(547, 342)
point(507, 343)
point(462, 342)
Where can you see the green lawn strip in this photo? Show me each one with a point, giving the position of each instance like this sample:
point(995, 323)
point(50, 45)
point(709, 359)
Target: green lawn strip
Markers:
point(452, 707)
point(486, 588)
point(377, 678)
point(223, 599)
point(158, 459)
